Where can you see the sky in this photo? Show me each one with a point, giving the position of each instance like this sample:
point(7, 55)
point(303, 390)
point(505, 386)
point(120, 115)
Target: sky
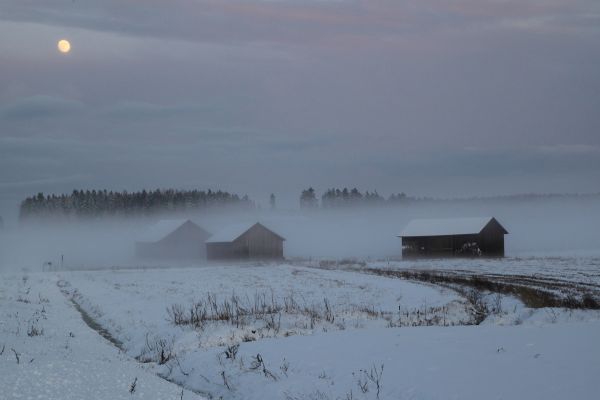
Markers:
point(445, 98)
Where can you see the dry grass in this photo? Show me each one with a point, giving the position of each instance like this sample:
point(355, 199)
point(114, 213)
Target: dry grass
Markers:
point(533, 294)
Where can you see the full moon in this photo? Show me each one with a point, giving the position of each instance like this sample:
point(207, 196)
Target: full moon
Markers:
point(64, 46)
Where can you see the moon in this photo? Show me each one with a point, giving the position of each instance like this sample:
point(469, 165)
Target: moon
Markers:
point(63, 46)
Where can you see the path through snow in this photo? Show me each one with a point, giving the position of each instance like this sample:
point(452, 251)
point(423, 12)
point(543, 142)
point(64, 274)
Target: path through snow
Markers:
point(68, 360)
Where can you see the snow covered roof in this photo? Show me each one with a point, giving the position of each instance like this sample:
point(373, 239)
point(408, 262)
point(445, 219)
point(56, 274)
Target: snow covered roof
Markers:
point(232, 232)
point(446, 226)
point(161, 229)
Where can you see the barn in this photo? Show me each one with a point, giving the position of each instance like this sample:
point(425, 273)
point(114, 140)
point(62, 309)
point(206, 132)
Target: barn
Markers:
point(453, 237)
point(173, 239)
point(245, 241)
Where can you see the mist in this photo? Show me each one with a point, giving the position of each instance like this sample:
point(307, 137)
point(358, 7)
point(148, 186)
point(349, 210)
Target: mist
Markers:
point(548, 227)
point(194, 193)
point(468, 100)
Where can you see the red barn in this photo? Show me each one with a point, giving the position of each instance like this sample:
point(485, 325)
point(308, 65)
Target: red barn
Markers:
point(245, 241)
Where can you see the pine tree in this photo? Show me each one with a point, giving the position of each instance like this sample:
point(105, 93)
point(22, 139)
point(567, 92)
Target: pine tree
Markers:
point(308, 199)
point(99, 203)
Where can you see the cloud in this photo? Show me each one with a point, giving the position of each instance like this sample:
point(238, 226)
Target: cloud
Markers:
point(258, 96)
point(300, 22)
point(576, 23)
point(570, 149)
point(53, 118)
point(49, 183)
point(40, 106)
point(494, 163)
point(136, 110)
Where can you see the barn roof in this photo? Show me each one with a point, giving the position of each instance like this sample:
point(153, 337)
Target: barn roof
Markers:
point(447, 226)
point(162, 228)
point(232, 232)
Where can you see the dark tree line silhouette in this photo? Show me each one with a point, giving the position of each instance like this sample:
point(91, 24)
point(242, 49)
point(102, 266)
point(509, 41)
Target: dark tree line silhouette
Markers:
point(98, 203)
point(334, 197)
point(308, 199)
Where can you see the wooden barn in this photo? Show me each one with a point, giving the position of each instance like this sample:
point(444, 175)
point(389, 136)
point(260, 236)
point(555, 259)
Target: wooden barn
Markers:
point(244, 242)
point(455, 237)
point(173, 239)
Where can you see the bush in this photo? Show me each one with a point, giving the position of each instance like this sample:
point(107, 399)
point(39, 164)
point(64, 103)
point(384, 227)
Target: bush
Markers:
point(157, 350)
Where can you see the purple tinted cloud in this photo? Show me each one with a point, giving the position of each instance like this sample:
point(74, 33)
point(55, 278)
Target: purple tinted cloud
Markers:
point(366, 93)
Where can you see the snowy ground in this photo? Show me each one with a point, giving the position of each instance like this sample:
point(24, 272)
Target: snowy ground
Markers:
point(556, 361)
point(133, 304)
point(581, 269)
point(565, 280)
point(60, 357)
point(313, 334)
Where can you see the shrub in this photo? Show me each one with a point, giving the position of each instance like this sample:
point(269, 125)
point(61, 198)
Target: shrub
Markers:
point(157, 350)
point(231, 351)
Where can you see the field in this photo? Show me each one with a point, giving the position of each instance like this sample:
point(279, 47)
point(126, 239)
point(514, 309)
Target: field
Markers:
point(581, 270)
point(302, 330)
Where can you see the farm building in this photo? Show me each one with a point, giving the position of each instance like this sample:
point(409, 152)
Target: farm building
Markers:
point(173, 239)
point(461, 237)
point(245, 241)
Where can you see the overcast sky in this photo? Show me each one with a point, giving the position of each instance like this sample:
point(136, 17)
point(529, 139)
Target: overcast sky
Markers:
point(431, 97)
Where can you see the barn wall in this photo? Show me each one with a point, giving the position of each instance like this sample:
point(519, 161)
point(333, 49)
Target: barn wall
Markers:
point(491, 243)
point(186, 242)
point(256, 243)
point(225, 251)
point(262, 243)
point(435, 246)
point(188, 249)
point(187, 233)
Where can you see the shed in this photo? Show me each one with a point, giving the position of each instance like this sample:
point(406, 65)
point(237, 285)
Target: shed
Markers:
point(462, 237)
point(173, 239)
point(245, 241)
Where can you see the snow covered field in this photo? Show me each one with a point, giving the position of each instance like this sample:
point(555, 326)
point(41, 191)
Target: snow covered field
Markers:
point(583, 269)
point(283, 332)
point(527, 362)
point(284, 301)
point(308, 350)
point(48, 352)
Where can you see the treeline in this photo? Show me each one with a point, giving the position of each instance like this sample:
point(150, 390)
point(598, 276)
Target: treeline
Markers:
point(100, 203)
point(334, 198)
point(345, 197)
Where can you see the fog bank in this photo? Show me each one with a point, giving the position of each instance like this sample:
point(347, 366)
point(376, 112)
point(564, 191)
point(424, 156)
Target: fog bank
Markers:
point(540, 227)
